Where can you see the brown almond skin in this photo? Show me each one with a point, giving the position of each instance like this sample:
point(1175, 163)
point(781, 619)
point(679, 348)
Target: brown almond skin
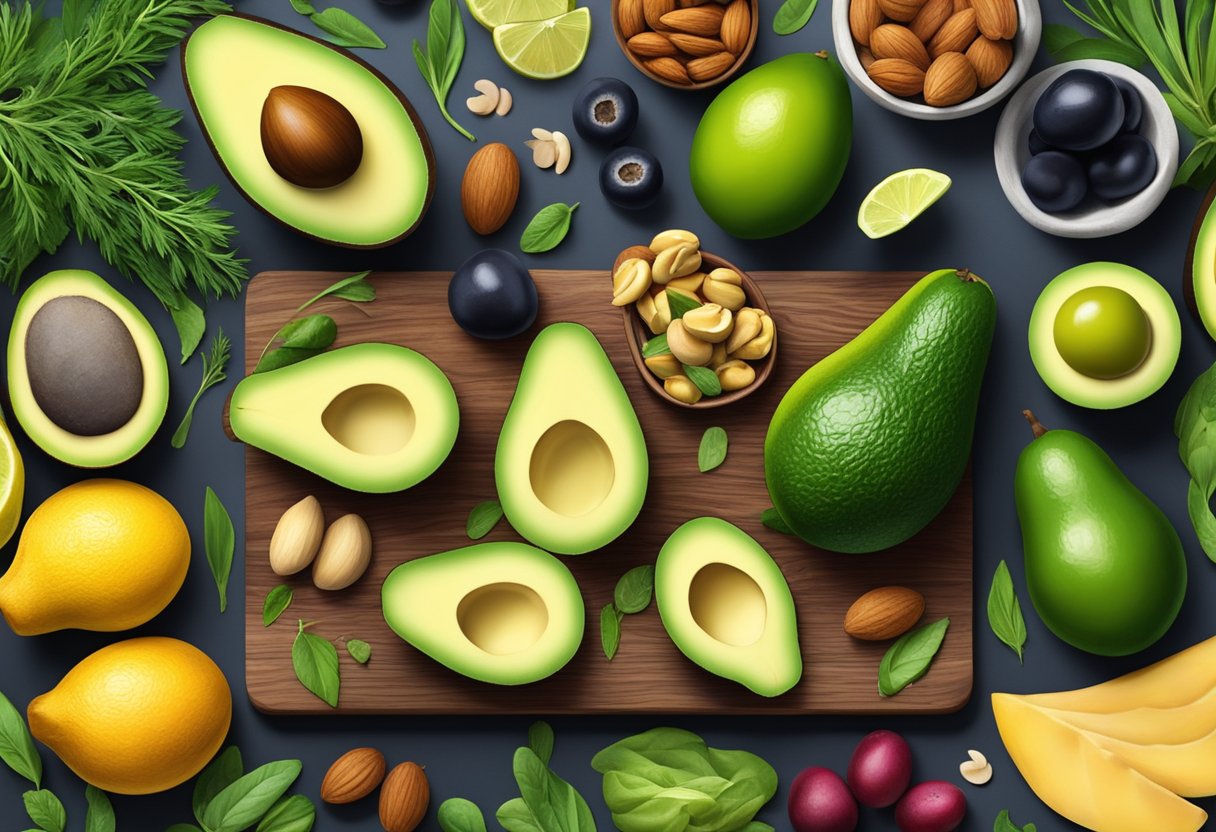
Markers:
point(900, 10)
point(959, 5)
point(310, 138)
point(651, 45)
point(884, 613)
point(897, 76)
point(653, 11)
point(698, 20)
point(710, 66)
point(891, 40)
point(996, 19)
point(631, 18)
point(736, 26)
point(990, 59)
point(955, 35)
point(404, 798)
point(670, 69)
point(930, 18)
point(631, 253)
point(950, 80)
point(490, 188)
point(696, 45)
point(353, 776)
point(864, 17)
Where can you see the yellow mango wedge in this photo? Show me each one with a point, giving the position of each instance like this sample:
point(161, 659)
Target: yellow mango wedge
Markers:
point(1147, 726)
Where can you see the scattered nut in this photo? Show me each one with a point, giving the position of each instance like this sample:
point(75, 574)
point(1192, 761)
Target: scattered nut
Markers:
point(681, 388)
point(505, 102)
point(759, 346)
point(664, 366)
point(990, 59)
point(544, 153)
point(490, 188)
point(346, 552)
point(884, 613)
point(748, 325)
point(897, 76)
point(404, 798)
point(541, 134)
point(976, 770)
point(710, 66)
point(735, 375)
point(297, 537)
point(686, 347)
point(641, 252)
point(709, 322)
point(673, 237)
point(698, 20)
point(485, 103)
point(892, 40)
point(652, 45)
point(725, 288)
point(562, 145)
point(864, 17)
point(950, 80)
point(676, 261)
point(353, 776)
point(630, 282)
point(690, 283)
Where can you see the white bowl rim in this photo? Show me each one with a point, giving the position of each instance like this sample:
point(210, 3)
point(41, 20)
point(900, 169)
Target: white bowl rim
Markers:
point(1025, 46)
point(1103, 221)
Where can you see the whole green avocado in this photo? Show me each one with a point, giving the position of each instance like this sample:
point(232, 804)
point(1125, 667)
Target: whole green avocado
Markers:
point(771, 148)
point(870, 443)
point(1105, 568)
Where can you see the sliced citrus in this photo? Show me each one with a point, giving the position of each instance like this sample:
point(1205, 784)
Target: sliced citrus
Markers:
point(899, 199)
point(491, 13)
point(545, 48)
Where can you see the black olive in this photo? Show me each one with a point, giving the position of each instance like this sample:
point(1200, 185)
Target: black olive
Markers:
point(492, 295)
point(1080, 110)
point(1122, 168)
point(1054, 181)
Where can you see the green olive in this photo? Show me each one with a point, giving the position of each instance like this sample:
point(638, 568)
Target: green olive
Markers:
point(1102, 332)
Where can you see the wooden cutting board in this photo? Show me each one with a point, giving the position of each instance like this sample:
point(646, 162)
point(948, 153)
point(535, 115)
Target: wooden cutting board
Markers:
point(815, 313)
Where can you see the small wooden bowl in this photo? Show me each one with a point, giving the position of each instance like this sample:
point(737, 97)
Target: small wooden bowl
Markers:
point(696, 85)
point(637, 334)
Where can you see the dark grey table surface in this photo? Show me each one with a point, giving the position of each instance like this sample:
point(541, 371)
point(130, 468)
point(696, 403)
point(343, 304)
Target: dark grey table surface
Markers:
point(972, 226)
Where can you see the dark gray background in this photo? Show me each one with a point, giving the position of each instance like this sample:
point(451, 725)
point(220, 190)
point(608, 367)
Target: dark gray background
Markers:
point(973, 226)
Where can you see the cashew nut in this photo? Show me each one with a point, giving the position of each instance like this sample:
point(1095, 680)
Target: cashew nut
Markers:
point(671, 237)
point(562, 145)
point(681, 388)
point(485, 103)
point(676, 261)
point(630, 282)
point(724, 287)
point(687, 348)
point(747, 326)
point(709, 322)
point(735, 375)
point(759, 346)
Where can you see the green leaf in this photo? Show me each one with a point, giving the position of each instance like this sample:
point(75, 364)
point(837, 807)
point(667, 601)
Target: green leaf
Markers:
point(634, 590)
point(190, 322)
point(1106, 50)
point(445, 52)
point(304, 7)
point(219, 774)
point(346, 30)
point(16, 745)
point(555, 805)
point(706, 380)
point(219, 543)
point(276, 603)
point(298, 339)
point(1198, 506)
point(355, 288)
point(681, 303)
point(656, 346)
point(541, 740)
point(45, 810)
point(909, 658)
point(215, 366)
point(291, 814)
point(315, 661)
point(712, 452)
point(75, 16)
point(241, 804)
point(548, 228)
point(483, 518)
point(459, 815)
point(772, 518)
point(610, 630)
point(1005, 612)
point(100, 814)
point(359, 650)
point(284, 357)
point(1057, 36)
point(793, 15)
point(515, 816)
point(1004, 824)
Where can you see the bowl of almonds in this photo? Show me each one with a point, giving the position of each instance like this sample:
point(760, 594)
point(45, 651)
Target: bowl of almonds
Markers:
point(936, 59)
point(686, 44)
point(697, 326)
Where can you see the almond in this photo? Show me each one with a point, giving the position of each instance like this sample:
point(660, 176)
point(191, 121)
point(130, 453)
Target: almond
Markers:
point(737, 26)
point(950, 80)
point(695, 45)
point(900, 10)
point(653, 11)
point(710, 66)
point(490, 188)
point(866, 57)
point(884, 613)
point(864, 17)
point(955, 35)
point(930, 18)
point(959, 5)
point(297, 537)
point(698, 20)
point(891, 40)
point(997, 19)
point(346, 552)
point(632, 253)
point(353, 776)
point(990, 58)
point(631, 18)
point(669, 69)
point(651, 45)
point(404, 798)
point(897, 76)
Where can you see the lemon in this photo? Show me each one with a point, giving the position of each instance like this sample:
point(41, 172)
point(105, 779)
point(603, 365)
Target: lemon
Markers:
point(491, 13)
point(899, 199)
point(137, 717)
point(545, 48)
point(98, 555)
point(12, 484)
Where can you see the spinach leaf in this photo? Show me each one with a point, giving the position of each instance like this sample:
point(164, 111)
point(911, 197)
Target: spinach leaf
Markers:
point(359, 650)
point(541, 740)
point(299, 339)
point(1005, 612)
point(356, 289)
point(635, 589)
point(291, 814)
point(219, 543)
point(315, 662)
point(515, 816)
point(459, 815)
point(438, 65)
point(100, 815)
point(547, 803)
point(242, 803)
point(17, 747)
point(793, 15)
point(706, 380)
point(548, 228)
point(908, 659)
point(483, 518)
point(772, 519)
point(345, 29)
point(276, 603)
point(45, 810)
point(219, 774)
point(190, 322)
point(656, 346)
point(712, 452)
point(1004, 824)
point(1195, 427)
point(610, 630)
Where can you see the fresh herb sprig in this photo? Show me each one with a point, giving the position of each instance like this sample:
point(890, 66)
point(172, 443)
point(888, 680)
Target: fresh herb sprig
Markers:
point(219, 543)
point(315, 661)
point(215, 365)
point(456, 814)
point(276, 603)
point(302, 338)
point(1005, 611)
point(228, 800)
point(17, 748)
point(444, 53)
point(343, 28)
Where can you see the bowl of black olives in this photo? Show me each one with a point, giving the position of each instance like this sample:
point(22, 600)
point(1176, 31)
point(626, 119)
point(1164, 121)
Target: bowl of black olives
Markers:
point(1086, 149)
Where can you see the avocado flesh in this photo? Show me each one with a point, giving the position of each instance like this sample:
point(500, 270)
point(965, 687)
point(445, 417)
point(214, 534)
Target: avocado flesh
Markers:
point(232, 62)
point(1146, 378)
point(371, 417)
point(505, 613)
point(1203, 269)
point(571, 466)
point(868, 446)
point(727, 606)
point(1105, 569)
point(87, 376)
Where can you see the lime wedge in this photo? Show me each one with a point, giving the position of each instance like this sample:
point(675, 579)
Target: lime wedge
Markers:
point(899, 199)
point(491, 13)
point(545, 48)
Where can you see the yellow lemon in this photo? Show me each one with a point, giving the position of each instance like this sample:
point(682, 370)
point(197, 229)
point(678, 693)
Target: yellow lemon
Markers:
point(137, 717)
point(99, 555)
point(12, 483)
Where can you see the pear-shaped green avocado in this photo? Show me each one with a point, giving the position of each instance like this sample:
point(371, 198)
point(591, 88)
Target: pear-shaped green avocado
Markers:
point(1105, 568)
point(868, 446)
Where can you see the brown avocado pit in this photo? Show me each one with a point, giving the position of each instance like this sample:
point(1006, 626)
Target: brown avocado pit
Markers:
point(309, 138)
point(84, 368)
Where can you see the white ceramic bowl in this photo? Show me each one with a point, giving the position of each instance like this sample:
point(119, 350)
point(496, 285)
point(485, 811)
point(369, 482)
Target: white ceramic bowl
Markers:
point(1092, 218)
point(1025, 44)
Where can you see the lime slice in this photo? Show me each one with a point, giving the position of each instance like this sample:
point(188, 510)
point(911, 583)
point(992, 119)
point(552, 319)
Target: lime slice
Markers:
point(491, 13)
point(545, 48)
point(12, 484)
point(899, 199)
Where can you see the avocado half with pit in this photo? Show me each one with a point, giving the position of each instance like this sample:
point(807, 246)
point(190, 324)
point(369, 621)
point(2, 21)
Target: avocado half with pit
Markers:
point(371, 417)
point(87, 376)
point(1104, 335)
point(1200, 285)
point(310, 134)
point(505, 613)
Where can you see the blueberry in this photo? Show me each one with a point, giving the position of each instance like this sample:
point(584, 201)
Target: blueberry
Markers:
point(1133, 104)
point(1123, 167)
point(1080, 110)
point(1054, 181)
point(631, 178)
point(1036, 144)
point(605, 111)
point(492, 295)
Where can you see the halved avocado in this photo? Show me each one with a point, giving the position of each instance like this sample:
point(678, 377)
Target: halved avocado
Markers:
point(370, 417)
point(1200, 285)
point(86, 373)
point(727, 606)
point(1104, 335)
point(571, 466)
point(505, 613)
point(231, 64)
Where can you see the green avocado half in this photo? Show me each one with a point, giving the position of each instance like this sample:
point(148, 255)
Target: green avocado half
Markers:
point(1200, 285)
point(1104, 335)
point(87, 376)
point(370, 417)
point(231, 64)
point(505, 613)
point(727, 606)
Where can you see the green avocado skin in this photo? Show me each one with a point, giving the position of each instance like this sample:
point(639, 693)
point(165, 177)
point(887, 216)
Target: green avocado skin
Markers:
point(869, 444)
point(1105, 569)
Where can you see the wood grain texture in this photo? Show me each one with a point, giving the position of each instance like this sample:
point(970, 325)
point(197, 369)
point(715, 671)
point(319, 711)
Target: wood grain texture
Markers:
point(815, 313)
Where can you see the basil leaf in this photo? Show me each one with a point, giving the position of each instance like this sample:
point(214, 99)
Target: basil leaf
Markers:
point(1004, 824)
point(1102, 49)
point(459, 815)
point(1005, 612)
point(241, 804)
point(483, 518)
point(219, 774)
point(303, 7)
point(548, 228)
point(681, 303)
point(610, 630)
point(515, 816)
point(45, 810)
point(100, 814)
point(706, 380)
point(300, 339)
point(634, 590)
point(276, 603)
point(712, 452)
point(190, 322)
point(219, 543)
point(793, 15)
point(359, 650)
point(345, 29)
point(355, 288)
point(656, 346)
point(315, 662)
point(17, 747)
point(772, 519)
point(541, 740)
point(909, 658)
point(291, 814)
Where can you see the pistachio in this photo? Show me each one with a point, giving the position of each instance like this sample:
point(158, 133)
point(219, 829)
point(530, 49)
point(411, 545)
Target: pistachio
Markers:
point(725, 288)
point(630, 282)
point(662, 312)
point(673, 237)
point(759, 346)
point(681, 388)
point(663, 366)
point(676, 261)
point(747, 326)
point(735, 375)
point(690, 283)
point(687, 348)
point(345, 553)
point(297, 537)
point(709, 322)
point(718, 357)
